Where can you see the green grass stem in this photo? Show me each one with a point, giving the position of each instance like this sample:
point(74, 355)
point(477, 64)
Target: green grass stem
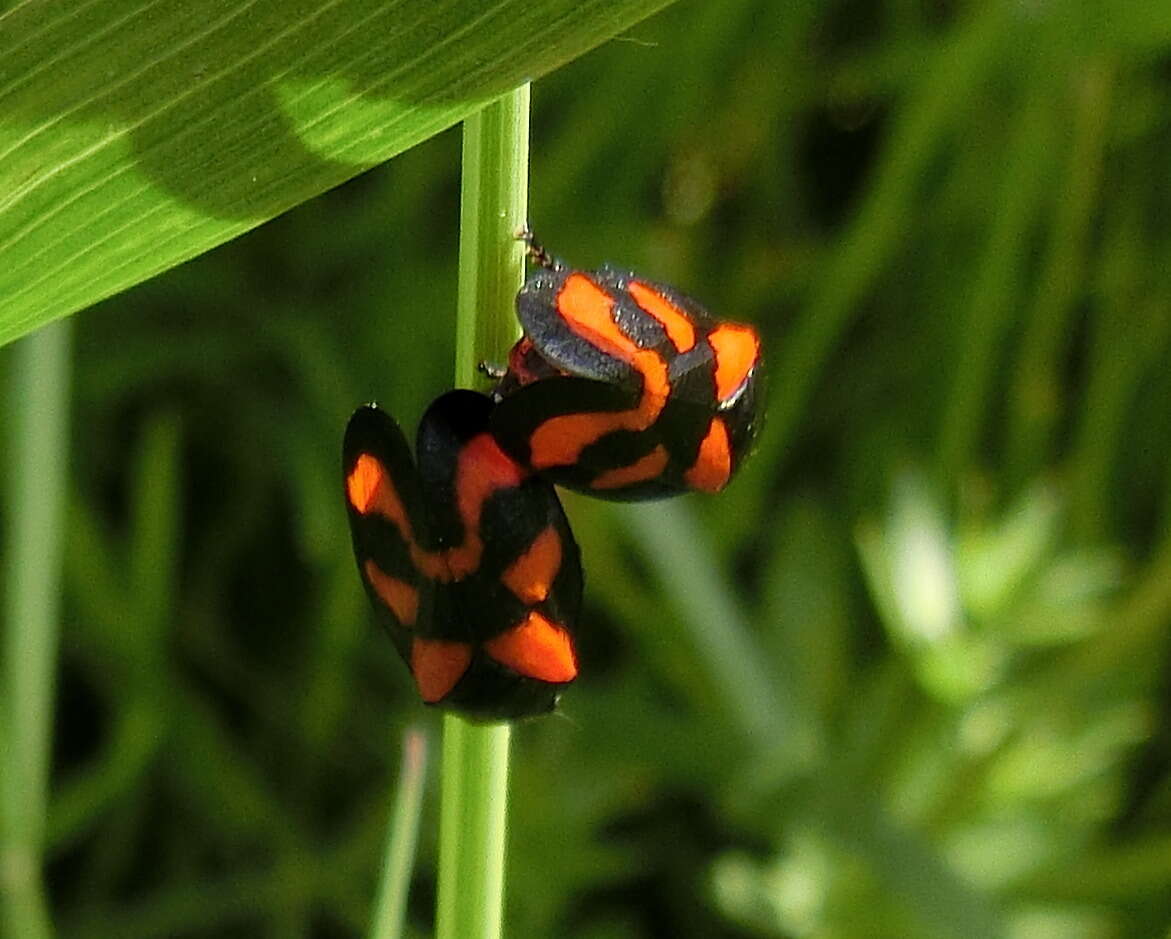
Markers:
point(491, 270)
point(38, 454)
point(494, 204)
point(473, 814)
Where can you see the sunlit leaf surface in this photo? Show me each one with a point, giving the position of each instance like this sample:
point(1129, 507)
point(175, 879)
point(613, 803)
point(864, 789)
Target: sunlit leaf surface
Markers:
point(135, 134)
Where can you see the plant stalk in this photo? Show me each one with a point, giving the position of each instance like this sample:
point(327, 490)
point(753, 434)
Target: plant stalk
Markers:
point(491, 270)
point(38, 455)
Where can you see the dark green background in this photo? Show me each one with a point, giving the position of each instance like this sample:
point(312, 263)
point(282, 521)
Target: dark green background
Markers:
point(906, 677)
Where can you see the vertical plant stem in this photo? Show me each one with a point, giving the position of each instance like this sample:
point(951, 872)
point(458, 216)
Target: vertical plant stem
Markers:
point(491, 270)
point(493, 206)
point(38, 454)
point(472, 829)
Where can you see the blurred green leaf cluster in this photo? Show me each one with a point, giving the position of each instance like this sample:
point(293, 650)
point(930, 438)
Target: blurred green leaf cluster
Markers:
point(906, 677)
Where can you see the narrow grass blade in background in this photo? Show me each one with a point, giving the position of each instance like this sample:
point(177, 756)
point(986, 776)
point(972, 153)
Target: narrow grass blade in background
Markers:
point(1037, 406)
point(391, 908)
point(491, 270)
point(672, 545)
point(997, 282)
point(139, 133)
point(38, 451)
point(871, 238)
point(128, 606)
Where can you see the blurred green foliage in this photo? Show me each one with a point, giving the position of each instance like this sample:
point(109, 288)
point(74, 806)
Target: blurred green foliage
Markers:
point(907, 677)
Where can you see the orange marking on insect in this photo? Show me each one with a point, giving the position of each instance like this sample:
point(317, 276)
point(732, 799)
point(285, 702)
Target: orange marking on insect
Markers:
point(363, 482)
point(713, 464)
point(401, 597)
point(370, 491)
point(432, 564)
point(438, 665)
point(589, 312)
point(737, 350)
point(587, 309)
point(531, 575)
point(537, 648)
point(483, 468)
point(560, 440)
point(642, 469)
point(678, 325)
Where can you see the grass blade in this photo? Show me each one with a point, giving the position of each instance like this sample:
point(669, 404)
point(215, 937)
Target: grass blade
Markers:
point(391, 908)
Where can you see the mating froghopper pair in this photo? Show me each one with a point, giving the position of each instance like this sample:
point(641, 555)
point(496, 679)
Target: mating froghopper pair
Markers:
point(620, 388)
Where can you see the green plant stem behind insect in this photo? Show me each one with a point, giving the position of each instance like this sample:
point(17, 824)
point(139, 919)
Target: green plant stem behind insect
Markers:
point(491, 270)
point(35, 498)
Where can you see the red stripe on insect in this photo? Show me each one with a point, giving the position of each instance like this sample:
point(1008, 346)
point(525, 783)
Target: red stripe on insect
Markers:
point(537, 648)
point(713, 464)
point(437, 666)
point(482, 469)
point(648, 467)
point(678, 324)
point(737, 351)
point(530, 577)
point(401, 597)
point(587, 309)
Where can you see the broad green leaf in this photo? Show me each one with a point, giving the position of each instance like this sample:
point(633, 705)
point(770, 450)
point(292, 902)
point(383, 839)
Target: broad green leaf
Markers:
point(135, 134)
